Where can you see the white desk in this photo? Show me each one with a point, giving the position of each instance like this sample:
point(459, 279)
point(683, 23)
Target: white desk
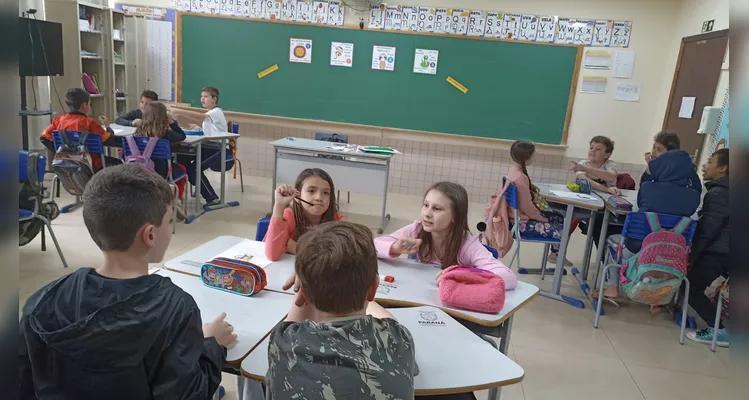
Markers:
point(589, 206)
point(122, 131)
point(466, 365)
point(364, 173)
point(252, 317)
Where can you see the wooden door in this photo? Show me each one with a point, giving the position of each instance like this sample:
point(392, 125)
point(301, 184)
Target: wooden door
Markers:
point(697, 74)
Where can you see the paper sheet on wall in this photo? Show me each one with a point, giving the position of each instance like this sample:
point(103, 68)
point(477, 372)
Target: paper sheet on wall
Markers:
point(627, 92)
point(383, 58)
point(341, 54)
point(624, 64)
point(597, 59)
point(594, 84)
point(300, 51)
point(425, 61)
point(687, 107)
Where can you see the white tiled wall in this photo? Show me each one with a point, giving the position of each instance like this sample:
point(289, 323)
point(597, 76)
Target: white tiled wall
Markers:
point(478, 169)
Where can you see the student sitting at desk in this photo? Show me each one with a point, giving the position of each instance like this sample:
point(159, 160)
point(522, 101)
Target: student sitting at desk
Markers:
point(442, 237)
point(709, 258)
point(336, 342)
point(155, 122)
point(116, 332)
point(296, 209)
point(134, 117)
point(213, 122)
point(79, 105)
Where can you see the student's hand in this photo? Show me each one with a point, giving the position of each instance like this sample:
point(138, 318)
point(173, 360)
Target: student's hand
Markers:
point(614, 191)
point(194, 127)
point(221, 330)
point(649, 157)
point(577, 167)
point(291, 246)
point(292, 281)
point(405, 246)
point(439, 276)
point(104, 121)
point(136, 122)
point(284, 195)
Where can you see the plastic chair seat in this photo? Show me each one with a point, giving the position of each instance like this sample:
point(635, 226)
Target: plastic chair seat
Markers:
point(178, 175)
point(24, 214)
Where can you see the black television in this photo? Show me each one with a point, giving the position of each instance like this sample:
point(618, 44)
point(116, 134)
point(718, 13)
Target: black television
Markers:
point(39, 48)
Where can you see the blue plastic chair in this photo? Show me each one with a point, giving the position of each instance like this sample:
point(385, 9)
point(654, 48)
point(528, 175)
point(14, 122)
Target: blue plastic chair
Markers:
point(262, 229)
point(636, 227)
point(492, 250)
point(25, 215)
point(230, 158)
point(162, 151)
point(339, 138)
point(511, 196)
point(93, 145)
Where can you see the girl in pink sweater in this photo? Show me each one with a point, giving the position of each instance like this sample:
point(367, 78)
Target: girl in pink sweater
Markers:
point(442, 237)
point(292, 217)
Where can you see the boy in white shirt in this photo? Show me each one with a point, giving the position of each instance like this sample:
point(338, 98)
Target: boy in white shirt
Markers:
point(213, 122)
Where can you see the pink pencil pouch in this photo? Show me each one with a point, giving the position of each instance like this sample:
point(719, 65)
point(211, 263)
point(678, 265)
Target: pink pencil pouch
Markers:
point(472, 289)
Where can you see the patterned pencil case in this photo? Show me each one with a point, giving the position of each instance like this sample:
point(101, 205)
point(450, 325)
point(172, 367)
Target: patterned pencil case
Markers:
point(620, 203)
point(231, 275)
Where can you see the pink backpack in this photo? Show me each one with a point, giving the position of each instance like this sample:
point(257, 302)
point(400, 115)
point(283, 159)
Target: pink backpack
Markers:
point(472, 289)
point(89, 84)
point(653, 276)
point(136, 157)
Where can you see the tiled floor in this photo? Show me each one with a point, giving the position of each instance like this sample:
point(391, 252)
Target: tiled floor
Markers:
point(634, 355)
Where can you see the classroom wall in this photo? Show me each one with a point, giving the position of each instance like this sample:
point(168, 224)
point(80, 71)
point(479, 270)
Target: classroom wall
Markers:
point(658, 26)
point(40, 85)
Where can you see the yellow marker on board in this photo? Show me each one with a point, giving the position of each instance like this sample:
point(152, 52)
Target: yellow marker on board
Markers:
point(457, 84)
point(267, 71)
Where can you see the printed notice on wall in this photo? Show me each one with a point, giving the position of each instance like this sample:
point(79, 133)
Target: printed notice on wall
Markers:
point(341, 54)
point(597, 59)
point(624, 64)
point(383, 58)
point(627, 92)
point(425, 61)
point(300, 51)
point(687, 107)
point(594, 84)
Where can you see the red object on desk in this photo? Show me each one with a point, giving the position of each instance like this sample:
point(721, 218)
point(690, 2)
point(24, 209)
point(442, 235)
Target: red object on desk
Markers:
point(389, 278)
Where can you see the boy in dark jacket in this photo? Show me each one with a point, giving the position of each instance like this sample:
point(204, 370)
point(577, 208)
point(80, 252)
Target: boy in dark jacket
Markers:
point(116, 332)
point(135, 117)
point(708, 259)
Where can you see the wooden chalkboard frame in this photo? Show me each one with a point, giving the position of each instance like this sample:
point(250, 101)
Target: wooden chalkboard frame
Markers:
point(570, 102)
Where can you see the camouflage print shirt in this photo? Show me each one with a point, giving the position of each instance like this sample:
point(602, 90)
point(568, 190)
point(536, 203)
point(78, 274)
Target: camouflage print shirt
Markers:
point(348, 358)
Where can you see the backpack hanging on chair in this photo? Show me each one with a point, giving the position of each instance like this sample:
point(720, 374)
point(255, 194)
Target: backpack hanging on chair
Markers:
point(653, 276)
point(136, 157)
point(31, 196)
point(73, 164)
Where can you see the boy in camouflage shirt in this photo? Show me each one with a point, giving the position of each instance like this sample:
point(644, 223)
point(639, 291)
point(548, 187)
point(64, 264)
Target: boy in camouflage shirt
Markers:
point(336, 343)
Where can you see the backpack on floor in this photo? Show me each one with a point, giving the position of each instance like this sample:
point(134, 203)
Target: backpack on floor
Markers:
point(136, 157)
point(73, 164)
point(30, 197)
point(653, 276)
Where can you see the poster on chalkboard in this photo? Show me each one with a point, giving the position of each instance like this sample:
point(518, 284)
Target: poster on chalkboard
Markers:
point(300, 51)
point(425, 61)
point(383, 58)
point(341, 54)
point(427, 17)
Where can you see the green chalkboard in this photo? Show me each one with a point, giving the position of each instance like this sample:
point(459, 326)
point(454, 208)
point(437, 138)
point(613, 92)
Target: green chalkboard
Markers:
point(515, 90)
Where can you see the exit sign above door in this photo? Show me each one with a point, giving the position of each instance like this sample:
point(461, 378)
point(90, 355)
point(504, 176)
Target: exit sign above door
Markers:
point(707, 26)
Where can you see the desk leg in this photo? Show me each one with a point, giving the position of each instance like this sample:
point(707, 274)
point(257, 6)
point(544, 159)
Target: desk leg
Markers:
point(504, 344)
point(198, 171)
point(385, 216)
point(601, 245)
point(556, 285)
point(582, 274)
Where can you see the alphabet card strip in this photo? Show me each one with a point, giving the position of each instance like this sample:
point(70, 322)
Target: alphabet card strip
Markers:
point(546, 29)
point(476, 23)
point(602, 33)
point(528, 28)
point(427, 18)
point(493, 24)
point(621, 31)
point(410, 18)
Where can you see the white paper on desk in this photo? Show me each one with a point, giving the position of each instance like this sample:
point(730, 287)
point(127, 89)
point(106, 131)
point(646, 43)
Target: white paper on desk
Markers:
point(687, 107)
point(572, 195)
point(627, 92)
point(624, 64)
point(247, 250)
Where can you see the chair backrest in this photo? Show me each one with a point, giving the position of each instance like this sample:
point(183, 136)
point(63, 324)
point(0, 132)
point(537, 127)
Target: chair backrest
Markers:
point(492, 250)
point(341, 138)
point(94, 144)
point(23, 166)
point(163, 150)
point(636, 226)
point(511, 194)
point(262, 229)
point(234, 127)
